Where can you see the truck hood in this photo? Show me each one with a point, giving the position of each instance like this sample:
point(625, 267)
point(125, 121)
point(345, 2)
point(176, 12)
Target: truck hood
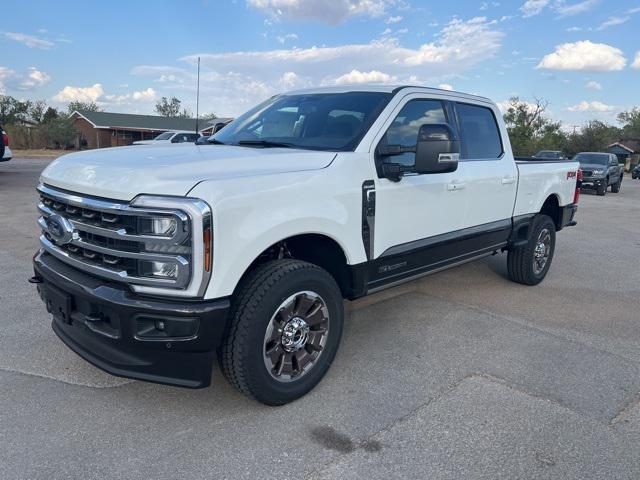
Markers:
point(125, 172)
point(593, 166)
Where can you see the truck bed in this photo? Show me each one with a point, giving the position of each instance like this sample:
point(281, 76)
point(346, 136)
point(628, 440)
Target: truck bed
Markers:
point(536, 178)
point(540, 160)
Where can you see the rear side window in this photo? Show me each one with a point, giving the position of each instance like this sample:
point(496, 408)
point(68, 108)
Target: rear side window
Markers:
point(479, 132)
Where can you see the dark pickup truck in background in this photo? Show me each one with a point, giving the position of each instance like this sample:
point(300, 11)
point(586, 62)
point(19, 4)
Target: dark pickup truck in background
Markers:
point(599, 171)
point(550, 155)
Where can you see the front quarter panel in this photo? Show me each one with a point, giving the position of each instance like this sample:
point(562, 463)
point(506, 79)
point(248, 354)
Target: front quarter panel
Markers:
point(251, 214)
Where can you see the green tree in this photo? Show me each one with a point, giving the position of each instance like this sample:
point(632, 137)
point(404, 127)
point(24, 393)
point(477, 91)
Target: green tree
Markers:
point(630, 123)
point(13, 111)
point(60, 131)
point(86, 106)
point(37, 111)
point(171, 108)
point(50, 115)
point(594, 136)
point(208, 116)
point(530, 130)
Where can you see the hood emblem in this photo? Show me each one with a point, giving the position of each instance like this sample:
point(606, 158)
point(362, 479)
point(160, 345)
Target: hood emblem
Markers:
point(60, 229)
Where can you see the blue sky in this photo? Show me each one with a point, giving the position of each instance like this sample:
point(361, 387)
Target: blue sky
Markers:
point(583, 56)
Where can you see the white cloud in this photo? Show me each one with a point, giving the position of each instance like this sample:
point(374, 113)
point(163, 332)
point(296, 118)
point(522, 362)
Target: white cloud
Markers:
point(633, 10)
point(289, 36)
point(356, 76)
point(96, 94)
point(231, 82)
point(148, 95)
point(12, 80)
point(395, 19)
point(613, 21)
point(594, 106)
point(575, 8)
point(79, 94)
point(332, 12)
point(35, 79)
point(29, 40)
point(506, 104)
point(531, 8)
point(584, 55)
point(636, 62)
point(487, 5)
point(574, 29)
point(445, 86)
point(593, 85)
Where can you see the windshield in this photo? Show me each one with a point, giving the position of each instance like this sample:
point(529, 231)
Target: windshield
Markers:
point(592, 158)
point(164, 136)
point(547, 154)
point(327, 121)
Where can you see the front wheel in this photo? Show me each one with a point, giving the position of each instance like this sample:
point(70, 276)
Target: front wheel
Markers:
point(616, 188)
point(284, 331)
point(528, 264)
point(602, 189)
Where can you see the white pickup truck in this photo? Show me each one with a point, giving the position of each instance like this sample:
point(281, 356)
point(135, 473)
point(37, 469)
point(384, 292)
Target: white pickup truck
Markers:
point(153, 260)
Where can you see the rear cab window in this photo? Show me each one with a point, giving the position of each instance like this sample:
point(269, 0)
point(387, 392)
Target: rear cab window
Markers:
point(479, 132)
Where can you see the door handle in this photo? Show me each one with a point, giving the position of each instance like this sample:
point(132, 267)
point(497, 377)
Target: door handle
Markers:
point(455, 186)
point(508, 180)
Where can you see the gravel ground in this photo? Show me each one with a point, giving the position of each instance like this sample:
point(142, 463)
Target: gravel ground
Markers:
point(460, 375)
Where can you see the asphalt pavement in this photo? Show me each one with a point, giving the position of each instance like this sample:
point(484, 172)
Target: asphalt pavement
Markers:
point(461, 375)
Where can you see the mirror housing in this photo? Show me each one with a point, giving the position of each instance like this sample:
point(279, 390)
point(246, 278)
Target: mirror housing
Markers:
point(437, 149)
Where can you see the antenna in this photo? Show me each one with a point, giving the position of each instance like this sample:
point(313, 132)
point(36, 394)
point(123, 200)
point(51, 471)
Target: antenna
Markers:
point(198, 96)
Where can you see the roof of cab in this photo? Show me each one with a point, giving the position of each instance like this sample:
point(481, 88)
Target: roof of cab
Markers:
point(384, 89)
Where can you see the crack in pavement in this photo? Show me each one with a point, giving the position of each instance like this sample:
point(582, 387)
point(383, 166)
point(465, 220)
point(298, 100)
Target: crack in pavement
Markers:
point(440, 394)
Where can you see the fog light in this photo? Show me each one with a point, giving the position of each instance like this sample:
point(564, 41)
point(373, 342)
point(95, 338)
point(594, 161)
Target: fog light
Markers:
point(160, 270)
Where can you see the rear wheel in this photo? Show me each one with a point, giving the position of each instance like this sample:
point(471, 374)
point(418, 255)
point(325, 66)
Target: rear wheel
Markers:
point(528, 264)
point(284, 331)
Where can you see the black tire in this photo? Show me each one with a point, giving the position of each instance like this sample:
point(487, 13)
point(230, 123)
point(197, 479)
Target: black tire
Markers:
point(602, 189)
point(616, 188)
point(260, 295)
point(520, 260)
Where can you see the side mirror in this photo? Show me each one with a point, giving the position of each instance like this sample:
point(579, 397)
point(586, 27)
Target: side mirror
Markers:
point(437, 149)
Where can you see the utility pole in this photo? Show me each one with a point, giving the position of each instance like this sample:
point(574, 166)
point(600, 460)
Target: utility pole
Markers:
point(198, 97)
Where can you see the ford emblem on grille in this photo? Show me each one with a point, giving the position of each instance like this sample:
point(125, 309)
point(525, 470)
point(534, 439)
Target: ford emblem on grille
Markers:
point(60, 229)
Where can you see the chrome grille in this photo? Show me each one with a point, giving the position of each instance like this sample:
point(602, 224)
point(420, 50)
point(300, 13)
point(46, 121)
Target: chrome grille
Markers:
point(114, 240)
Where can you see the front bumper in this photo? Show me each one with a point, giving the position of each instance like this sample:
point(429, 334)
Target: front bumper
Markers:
point(593, 183)
point(128, 335)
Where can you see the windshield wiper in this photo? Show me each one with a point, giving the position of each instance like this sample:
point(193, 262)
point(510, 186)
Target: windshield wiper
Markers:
point(213, 141)
point(266, 144)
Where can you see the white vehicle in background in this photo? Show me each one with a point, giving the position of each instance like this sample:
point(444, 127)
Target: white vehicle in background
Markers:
point(247, 246)
point(5, 151)
point(167, 138)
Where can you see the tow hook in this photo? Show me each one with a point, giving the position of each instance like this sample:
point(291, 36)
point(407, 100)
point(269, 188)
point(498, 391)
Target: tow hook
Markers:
point(35, 279)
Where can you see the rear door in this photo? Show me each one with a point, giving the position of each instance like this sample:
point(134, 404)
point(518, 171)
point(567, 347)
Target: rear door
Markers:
point(491, 173)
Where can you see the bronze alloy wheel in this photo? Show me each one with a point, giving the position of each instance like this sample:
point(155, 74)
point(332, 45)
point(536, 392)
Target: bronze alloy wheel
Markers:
point(296, 336)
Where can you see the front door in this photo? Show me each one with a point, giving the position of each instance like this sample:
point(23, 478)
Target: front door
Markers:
point(415, 215)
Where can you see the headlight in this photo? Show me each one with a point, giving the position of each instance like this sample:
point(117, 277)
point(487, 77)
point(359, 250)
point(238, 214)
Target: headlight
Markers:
point(159, 226)
point(598, 172)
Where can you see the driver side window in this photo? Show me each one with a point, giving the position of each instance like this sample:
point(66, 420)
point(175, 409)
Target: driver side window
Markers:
point(404, 129)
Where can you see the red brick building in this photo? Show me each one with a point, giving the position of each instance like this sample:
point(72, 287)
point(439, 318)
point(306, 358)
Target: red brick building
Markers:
point(106, 129)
